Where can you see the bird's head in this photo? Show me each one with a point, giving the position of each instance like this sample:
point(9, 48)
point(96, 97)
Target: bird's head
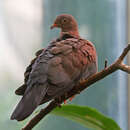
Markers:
point(66, 23)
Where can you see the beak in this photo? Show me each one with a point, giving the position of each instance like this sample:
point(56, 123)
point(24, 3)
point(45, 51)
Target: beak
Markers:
point(53, 26)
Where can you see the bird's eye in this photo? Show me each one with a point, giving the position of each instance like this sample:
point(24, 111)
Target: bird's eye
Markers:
point(64, 20)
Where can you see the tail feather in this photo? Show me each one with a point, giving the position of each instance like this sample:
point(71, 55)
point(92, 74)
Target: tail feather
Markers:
point(29, 102)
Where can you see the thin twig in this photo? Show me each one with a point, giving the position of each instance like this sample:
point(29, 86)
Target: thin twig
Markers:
point(117, 65)
point(105, 66)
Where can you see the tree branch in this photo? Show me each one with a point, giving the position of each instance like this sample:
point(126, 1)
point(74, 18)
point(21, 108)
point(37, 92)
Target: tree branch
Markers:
point(124, 67)
point(117, 65)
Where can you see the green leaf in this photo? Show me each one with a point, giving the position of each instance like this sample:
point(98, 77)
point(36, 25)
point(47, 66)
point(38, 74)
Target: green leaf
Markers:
point(87, 117)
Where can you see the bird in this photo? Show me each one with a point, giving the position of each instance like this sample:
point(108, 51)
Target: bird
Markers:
point(57, 68)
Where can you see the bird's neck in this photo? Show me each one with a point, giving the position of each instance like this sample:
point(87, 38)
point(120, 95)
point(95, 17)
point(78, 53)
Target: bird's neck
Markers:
point(71, 33)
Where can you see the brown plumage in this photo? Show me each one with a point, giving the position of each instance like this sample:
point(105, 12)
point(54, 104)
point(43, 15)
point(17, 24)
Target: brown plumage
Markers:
point(56, 69)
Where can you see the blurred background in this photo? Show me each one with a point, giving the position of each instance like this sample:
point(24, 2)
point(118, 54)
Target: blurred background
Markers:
point(25, 28)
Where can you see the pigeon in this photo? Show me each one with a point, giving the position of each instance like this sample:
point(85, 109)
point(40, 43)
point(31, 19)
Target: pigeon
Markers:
point(56, 69)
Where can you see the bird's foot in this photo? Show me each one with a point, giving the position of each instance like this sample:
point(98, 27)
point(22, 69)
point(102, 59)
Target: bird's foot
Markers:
point(65, 101)
point(71, 98)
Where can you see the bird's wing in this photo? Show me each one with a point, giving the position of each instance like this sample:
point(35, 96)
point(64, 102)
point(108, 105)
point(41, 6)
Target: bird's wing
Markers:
point(88, 49)
point(22, 88)
point(74, 59)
